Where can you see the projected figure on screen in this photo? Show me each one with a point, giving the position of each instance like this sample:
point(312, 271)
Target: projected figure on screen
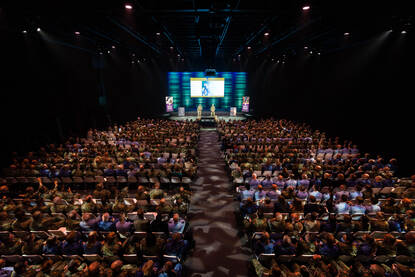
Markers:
point(205, 88)
point(212, 110)
point(199, 111)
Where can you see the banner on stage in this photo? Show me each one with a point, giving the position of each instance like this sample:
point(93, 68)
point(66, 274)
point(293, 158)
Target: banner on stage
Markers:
point(169, 104)
point(245, 104)
point(181, 111)
point(233, 111)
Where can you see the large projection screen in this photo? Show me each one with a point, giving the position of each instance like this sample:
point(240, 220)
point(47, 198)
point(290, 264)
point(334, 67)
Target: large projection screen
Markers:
point(207, 87)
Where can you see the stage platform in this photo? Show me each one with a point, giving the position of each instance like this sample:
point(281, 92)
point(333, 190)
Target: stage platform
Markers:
point(206, 116)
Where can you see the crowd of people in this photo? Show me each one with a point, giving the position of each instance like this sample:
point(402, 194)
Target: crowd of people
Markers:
point(130, 224)
point(316, 206)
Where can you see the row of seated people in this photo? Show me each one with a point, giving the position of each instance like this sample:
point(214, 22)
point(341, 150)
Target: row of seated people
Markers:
point(89, 266)
point(340, 200)
point(326, 180)
point(34, 227)
point(140, 148)
point(308, 215)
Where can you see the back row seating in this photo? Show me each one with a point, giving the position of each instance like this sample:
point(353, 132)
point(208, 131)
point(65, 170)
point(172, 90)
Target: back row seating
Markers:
point(97, 179)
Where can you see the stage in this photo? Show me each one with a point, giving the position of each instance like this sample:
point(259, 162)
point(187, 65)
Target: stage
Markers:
point(192, 115)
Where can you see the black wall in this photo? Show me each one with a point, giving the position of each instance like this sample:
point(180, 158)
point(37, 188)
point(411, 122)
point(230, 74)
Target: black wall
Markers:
point(362, 93)
point(52, 91)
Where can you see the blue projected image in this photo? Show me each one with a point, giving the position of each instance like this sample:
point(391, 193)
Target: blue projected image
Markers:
point(205, 88)
point(191, 89)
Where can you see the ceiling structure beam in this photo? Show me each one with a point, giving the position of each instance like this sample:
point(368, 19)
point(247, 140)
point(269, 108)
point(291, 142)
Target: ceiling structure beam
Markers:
point(164, 28)
point(225, 29)
point(197, 18)
point(254, 35)
point(196, 12)
point(135, 34)
point(287, 35)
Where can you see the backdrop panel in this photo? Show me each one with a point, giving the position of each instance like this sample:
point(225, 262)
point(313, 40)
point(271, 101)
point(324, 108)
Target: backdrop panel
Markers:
point(235, 89)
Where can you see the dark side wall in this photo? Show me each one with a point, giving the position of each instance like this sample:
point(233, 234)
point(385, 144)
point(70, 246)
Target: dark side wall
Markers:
point(363, 93)
point(50, 91)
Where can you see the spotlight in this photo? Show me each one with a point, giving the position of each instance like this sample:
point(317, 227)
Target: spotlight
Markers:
point(132, 61)
point(178, 55)
point(239, 55)
point(113, 47)
point(157, 34)
point(249, 47)
point(128, 6)
point(305, 47)
point(101, 53)
point(109, 52)
point(306, 8)
point(24, 32)
point(77, 33)
point(319, 53)
point(346, 34)
point(38, 29)
point(311, 52)
point(171, 47)
point(403, 32)
point(266, 34)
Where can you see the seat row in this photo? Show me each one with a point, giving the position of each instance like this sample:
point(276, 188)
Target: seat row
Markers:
point(97, 179)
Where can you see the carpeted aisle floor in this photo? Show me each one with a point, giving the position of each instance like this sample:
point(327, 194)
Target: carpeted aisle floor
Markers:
point(219, 250)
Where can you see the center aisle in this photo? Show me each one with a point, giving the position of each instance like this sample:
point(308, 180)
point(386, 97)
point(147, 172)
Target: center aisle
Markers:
point(219, 250)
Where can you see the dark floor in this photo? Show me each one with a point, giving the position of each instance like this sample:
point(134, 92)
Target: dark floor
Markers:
point(219, 250)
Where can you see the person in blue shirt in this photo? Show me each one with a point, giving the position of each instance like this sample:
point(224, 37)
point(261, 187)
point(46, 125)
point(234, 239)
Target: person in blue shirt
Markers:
point(176, 224)
point(109, 171)
point(343, 207)
point(170, 270)
point(280, 182)
point(106, 224)
point(317, 194)
point(260, 194)
point(176, 245)
point(72, 244)
point(329, 249)
point(52, 246)
point(45, 172)
point(267, 183)
point(359, 208)
point(254, 181)
point(248, 208)
point(356, 192)
point(247, 193)
point(274, 193)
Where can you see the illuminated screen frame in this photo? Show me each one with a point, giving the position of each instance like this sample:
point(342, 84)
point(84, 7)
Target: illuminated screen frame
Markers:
point(213, 79)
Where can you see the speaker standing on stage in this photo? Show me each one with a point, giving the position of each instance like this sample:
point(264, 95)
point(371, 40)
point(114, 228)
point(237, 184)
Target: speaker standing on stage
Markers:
point(212, 110)
point(199, 110)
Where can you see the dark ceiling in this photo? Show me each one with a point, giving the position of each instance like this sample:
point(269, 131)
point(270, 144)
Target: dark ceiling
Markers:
point(200, 33)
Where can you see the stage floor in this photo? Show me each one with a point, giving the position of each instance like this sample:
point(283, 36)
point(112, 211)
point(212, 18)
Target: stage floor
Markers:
point(220, 117)
point(192, 115)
